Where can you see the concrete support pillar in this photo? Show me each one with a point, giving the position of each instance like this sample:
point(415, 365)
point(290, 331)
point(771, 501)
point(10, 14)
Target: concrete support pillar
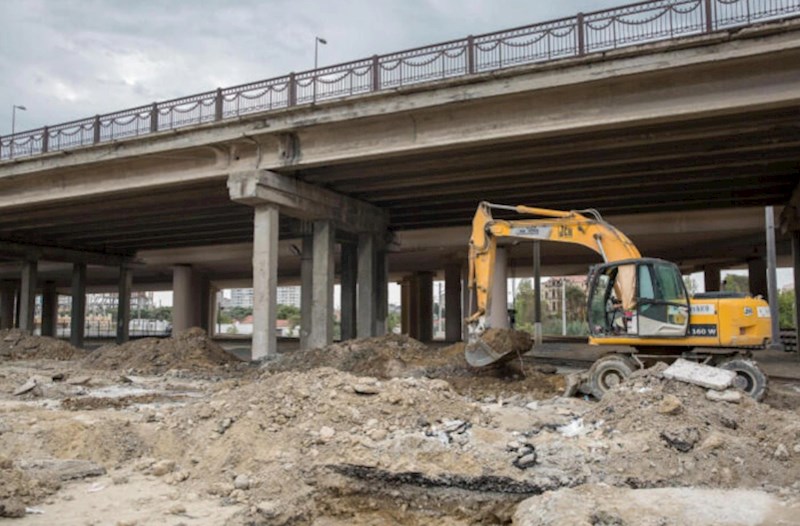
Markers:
point(206, 302)
point(498, 308)
point(265, 281)
point(27, 298)
point(78, 314)
point(49, 309)
point(452, 302)
point(382, 293)
point(424, 306)
point(537, 293)
point(796, 274)
point(367, 281)
point(306, 289)
point(322, 285)
point(712, 278)
point(468, 302)
point(124, 304)
point(186, 298)
point(349, 267)
point(8, 295)
point(405, 306)
point(772, 279)
point(757, 277)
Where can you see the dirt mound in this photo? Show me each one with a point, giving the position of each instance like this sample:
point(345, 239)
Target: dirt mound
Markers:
point(19, 345)
point(395, 356)
point(671, 433)
point(383, 357)
point(191, 350)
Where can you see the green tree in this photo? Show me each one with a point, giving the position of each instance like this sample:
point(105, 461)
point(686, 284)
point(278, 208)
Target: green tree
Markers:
point(239, 313)
point(736, 283)
point(285, 312)
point(786, 315)
point(524, 305)
point(392, 321)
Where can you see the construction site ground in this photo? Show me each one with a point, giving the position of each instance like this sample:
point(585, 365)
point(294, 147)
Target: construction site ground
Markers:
point(377, 431)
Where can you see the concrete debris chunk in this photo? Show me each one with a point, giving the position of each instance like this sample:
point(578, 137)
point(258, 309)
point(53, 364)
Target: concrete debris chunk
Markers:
point(699, 374)
point(728, 395)
point(28, 386)
point(670, 405)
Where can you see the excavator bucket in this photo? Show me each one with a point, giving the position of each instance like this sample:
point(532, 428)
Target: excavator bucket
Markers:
point(496, 345)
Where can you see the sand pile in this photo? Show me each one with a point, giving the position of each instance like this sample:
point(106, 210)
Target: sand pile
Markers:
point(18, 345)
point(191, 350)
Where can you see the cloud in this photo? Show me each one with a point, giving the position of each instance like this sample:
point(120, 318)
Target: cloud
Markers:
point(67, 59)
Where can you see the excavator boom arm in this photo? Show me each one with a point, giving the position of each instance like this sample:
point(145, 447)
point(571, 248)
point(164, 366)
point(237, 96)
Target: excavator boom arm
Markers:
point(551, 225)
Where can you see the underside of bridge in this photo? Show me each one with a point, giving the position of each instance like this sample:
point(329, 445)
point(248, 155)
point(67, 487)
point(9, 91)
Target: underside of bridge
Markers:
point(688, 185)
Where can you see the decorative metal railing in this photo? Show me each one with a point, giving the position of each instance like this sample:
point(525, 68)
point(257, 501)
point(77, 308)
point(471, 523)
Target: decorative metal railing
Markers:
point(580, 35)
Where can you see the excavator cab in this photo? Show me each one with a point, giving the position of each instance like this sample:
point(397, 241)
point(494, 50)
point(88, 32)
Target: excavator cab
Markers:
point(642, 297)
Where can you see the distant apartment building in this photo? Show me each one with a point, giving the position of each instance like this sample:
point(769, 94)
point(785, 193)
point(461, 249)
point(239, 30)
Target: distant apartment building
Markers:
point(289, 296)
point(551, 290)
point(241, 298)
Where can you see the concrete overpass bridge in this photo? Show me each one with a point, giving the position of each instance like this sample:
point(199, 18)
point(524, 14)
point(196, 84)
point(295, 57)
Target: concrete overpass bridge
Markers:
point(677, 119)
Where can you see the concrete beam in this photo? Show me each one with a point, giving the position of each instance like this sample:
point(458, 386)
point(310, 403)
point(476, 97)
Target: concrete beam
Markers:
point(305, 201)
point(124, 304)
point(78, 314)
point(36, 252)
point(322, 284)
point(49, 308)
point(265, 281)
point(349, 266)
point(27, 299)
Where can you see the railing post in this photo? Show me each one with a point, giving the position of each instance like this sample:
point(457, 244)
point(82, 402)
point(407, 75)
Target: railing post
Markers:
point(96, 129)
point(709, 16)
point(291, 89)
point(45, 139)
point(376, 73)
point(470, 55)
point(218, 105)
point(581, 35)
point(154, 118)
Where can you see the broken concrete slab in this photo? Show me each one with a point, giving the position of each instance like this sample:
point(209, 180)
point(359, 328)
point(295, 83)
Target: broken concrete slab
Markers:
point(699, 374)
point(28, 386)
point(728, 395)
point(70, 469)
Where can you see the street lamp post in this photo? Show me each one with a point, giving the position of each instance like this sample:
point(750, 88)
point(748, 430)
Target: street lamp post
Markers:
point(317, 42)
point(14, 108)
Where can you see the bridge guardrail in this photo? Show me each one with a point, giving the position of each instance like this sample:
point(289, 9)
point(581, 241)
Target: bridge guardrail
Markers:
point(583, 34)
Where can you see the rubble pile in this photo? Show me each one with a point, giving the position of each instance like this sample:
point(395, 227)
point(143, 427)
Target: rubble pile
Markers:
point(395, 356)
point(428, 440)
point(19, 345)
point(190, 350)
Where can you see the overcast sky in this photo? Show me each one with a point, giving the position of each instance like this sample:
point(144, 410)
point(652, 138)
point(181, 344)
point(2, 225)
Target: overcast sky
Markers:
point(68, 59)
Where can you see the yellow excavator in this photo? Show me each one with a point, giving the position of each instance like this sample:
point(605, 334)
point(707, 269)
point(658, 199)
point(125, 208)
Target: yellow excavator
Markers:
point(637, 302)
